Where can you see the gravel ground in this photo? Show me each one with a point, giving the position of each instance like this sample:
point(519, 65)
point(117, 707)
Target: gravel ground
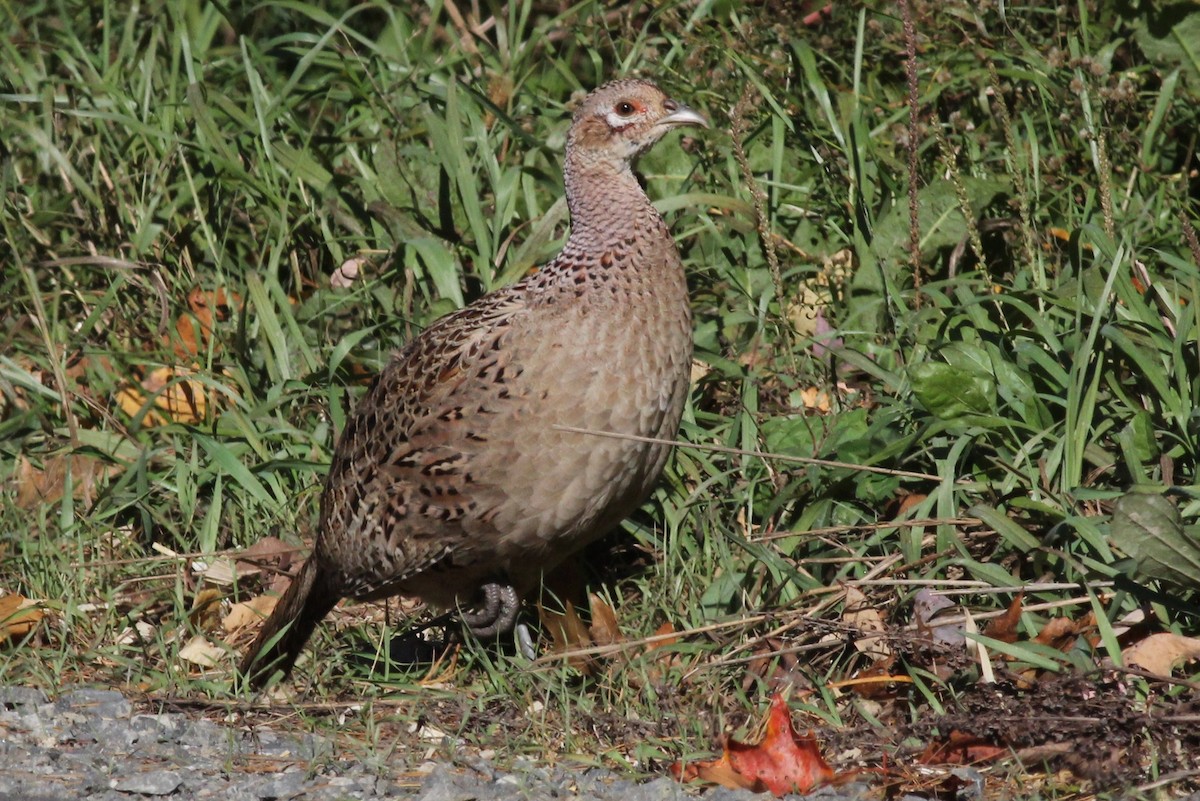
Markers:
point(93, 744)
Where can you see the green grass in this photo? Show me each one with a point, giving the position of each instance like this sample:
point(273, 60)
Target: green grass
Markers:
point(1038, 362)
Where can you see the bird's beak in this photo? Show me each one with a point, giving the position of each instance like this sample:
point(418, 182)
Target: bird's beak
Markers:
point(683, 115)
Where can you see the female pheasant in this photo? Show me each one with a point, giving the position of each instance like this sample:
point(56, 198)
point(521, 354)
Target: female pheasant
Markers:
point(457, 478)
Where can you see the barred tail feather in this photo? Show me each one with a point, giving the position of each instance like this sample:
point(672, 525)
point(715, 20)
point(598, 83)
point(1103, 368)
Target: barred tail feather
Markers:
point(307, 600)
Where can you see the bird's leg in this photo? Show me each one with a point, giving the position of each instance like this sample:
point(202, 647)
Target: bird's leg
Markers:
point(498, 613)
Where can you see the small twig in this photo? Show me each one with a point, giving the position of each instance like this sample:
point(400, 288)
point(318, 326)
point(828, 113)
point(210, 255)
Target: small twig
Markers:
point(974, 587)
point(917, 522)
point(779, 457)
point(1178, 775)
point(628, 645)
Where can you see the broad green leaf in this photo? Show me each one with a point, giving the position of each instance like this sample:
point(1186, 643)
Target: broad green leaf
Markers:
point(1169, 33)
point(1148, 527)
point(940, 216)
point(950, 392)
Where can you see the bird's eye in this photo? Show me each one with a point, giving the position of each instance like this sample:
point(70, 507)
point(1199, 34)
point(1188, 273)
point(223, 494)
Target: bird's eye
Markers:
point(624, 108)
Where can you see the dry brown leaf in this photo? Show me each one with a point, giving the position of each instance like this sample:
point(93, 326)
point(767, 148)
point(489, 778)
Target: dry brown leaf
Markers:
point(604, 628)
point(908, 501)
point(249, 613)
point(172, 394)
point(1161, 653)
point(661, 631)
point(861, 616)
point(269, 555)
point(961, 748)
point(1059, 633)
point(37, 486)
point(18, 616)
point(1004, 628)
point(815, 399)
point(568, 633)
point(199, 651)
point(205, 613)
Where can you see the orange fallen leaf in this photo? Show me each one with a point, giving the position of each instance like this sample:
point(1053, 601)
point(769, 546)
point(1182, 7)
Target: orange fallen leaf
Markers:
point(1061, 632)
point(1004, 628)
point(18, 616)
point(249, 613)
point(196, 330)
point(604, 629)
point(714, 771)
point(816, 399)
point(783, 762)
point(176, 397)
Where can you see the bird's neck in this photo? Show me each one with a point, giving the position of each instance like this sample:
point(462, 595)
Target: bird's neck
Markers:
point(606, 200)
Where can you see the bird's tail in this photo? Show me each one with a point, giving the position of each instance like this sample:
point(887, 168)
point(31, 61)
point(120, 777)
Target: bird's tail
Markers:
point(305, 602)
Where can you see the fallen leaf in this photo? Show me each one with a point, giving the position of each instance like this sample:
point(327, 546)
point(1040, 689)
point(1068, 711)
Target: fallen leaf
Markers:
point(1161, 653)
point(1061, 632)
point(45, 483)
point(1004, 628)
point(568, 633)
point(270, 555)
point(909, 501)
point(249, 613)
point(604, 629)
point(195, 331)
point(18, 616)
point(200, 651)
point(815, 399)
point(961, 748)
point(929, 609)
point(859, 615)
point(221, 571)
point(782, 762)
point(206, 609)
point(716, 771)
point(140, 633)
point(171, 395)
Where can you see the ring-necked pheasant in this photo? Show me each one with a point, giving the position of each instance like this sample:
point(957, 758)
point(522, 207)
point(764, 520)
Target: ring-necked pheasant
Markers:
point(454, 479)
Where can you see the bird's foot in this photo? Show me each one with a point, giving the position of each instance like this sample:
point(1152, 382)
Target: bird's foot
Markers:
point(498, 613)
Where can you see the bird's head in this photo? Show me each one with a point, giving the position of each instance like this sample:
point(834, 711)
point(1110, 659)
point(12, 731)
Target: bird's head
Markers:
point(622, 119)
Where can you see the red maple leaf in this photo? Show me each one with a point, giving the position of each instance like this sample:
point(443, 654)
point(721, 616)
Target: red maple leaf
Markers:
point(783, 762)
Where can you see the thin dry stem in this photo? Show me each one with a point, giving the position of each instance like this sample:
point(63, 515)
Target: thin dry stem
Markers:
point(1028, 246)
point(914, 221)
point(779, 457)
point(740, 127)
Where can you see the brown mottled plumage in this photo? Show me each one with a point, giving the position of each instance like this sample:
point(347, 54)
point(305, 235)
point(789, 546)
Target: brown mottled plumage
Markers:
point(452, 481)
